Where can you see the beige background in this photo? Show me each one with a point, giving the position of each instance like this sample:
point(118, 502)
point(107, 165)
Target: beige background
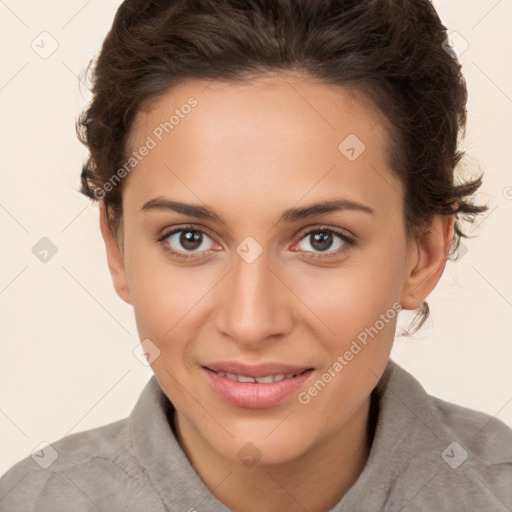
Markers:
point(67, 361)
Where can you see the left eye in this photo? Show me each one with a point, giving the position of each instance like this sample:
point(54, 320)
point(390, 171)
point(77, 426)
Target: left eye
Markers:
point(323, 239)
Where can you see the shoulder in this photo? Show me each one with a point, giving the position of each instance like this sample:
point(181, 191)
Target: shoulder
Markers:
point(458, 457)
point(86, 470)
point(478, 457)
point(485, 436)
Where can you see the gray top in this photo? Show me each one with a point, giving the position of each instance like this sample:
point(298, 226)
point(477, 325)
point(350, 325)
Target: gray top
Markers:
point(427, 454)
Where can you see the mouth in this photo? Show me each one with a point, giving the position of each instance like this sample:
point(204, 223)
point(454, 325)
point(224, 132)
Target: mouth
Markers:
point(254, 371)
point(255, 387)
point(266, 379)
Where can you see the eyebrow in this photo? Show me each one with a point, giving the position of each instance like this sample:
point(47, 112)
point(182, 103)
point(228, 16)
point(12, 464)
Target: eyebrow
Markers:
point(290, 215)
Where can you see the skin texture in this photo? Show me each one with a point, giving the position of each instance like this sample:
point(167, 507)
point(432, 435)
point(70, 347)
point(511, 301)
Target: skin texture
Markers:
point(250, 151)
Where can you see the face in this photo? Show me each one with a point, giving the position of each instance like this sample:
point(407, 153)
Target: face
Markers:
point(254, 282)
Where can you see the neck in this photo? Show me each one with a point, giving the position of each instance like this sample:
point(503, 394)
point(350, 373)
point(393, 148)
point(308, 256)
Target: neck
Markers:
point(315, 481)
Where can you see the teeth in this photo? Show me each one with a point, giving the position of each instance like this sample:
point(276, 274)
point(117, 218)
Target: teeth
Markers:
point(261, 380)
point(264, 380)
point(242, 378)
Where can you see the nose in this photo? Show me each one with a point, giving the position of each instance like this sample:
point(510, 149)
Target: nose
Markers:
point(256, 305)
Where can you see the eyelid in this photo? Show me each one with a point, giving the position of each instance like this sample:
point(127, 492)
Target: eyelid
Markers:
point(301, 233)
point(168, 232)
point(324, 227)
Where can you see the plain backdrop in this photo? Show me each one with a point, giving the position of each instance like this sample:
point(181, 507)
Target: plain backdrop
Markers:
point(67, 361)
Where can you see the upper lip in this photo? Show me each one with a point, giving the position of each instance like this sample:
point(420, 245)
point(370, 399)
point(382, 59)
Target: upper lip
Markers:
point(256, 370)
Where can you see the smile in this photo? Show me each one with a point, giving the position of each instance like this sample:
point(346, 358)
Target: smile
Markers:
point(256, 392)
point(267, 379)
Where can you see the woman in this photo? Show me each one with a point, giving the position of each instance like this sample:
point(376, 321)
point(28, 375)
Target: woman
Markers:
point(276, 183)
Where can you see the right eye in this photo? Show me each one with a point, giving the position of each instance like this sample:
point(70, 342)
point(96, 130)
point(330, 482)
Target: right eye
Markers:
point(185, 242)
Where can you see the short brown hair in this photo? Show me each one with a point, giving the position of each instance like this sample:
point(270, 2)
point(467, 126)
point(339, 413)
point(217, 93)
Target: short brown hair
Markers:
point(393, 52)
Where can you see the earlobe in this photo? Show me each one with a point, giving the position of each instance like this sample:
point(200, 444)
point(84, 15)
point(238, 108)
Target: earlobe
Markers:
point(427, 261)
point(114, 257)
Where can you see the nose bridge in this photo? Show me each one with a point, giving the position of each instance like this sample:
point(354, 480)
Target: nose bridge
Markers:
point(254, 308)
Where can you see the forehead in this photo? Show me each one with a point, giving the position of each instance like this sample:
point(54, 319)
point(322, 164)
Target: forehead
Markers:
point(295, 105)
point(280, 135)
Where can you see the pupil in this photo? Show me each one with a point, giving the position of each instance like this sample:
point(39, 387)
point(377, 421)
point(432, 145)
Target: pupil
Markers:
point(189, 239)
point(322, 241)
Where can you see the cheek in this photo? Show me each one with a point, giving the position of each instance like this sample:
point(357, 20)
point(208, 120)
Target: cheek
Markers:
point(358, 308)
point(345, 301)
point(163, 295)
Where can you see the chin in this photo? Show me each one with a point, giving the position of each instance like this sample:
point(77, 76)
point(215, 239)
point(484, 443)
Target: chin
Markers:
point(260, 448)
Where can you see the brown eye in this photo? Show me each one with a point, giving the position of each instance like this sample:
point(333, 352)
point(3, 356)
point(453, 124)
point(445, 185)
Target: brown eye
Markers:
point(321, 240)
point(328, 241)
point(190, 240)
point(186, 242)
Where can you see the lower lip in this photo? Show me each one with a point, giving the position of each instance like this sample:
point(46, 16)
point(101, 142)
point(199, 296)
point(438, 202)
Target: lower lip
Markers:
point(254, 395)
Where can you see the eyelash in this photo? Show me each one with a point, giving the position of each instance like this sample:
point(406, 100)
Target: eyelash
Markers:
point(348, 242)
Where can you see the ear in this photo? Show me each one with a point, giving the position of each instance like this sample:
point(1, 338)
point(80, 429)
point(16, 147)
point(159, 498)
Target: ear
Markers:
point(427, 260)
point(114, 256)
